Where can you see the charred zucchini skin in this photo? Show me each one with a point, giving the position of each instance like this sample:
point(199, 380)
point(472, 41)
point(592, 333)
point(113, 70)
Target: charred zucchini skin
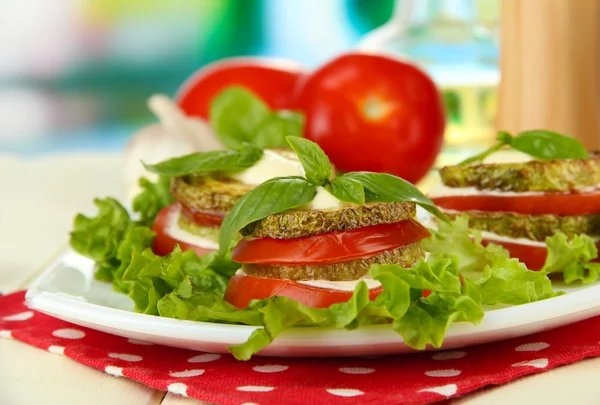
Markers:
point(405, 256)
point(537, 175)
point(207, 193)
point(533, 227)
point(299, 224)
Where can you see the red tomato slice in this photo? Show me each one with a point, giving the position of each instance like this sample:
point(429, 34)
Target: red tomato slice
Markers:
point(557, 204)
point(273, 80)
point(203, 218)
point(242, 289)
point(374, 113)
point(163, 242)
point(534, 257)
point(332, 247)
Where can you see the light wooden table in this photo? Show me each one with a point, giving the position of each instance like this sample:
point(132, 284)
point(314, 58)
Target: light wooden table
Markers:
point(38, 199)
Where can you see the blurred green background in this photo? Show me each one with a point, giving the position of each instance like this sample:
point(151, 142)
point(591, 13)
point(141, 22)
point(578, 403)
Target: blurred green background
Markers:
point(76, 74)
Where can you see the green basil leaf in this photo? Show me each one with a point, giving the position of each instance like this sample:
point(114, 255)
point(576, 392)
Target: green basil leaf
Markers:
point(235, 114)
point(347, 189)
point(387, 188)
point(215, 160)
point(272, 132)
point(271, 197)
point(549, 145)
point(314, 161)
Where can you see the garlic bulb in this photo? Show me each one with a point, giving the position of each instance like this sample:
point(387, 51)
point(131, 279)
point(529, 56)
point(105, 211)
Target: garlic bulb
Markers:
point(175, 135)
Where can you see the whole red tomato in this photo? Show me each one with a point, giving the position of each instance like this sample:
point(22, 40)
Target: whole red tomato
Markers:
point(374, 113)
point(273, 80)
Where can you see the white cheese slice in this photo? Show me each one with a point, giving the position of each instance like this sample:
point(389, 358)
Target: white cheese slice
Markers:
point(494, 237)
point(174, 231)
point(332, 285)
point(271, 164)
point(341, 285)
point(274, 164)
point(507, 156)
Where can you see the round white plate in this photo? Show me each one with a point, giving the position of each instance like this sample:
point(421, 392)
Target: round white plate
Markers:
point(67, 290)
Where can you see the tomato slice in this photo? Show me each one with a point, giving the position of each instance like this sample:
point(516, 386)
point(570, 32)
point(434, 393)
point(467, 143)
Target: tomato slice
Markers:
point(203, 218)
point(332, 247)
point(242, 289)
point(163, 242)
point(534, 257)
point(557, 204)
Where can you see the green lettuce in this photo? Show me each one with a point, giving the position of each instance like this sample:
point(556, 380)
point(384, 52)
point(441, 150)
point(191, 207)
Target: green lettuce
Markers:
point(421, 321)
point(573, 258)
point(152, 198)
point(152, 277)
point(100, 237)
point(456, 239)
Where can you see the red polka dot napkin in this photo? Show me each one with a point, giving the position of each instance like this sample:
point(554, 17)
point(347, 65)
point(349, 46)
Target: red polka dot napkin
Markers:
point(408, 379)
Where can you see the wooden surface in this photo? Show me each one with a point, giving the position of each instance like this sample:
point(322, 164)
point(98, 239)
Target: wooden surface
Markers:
point(550, 64)
point(39, 199)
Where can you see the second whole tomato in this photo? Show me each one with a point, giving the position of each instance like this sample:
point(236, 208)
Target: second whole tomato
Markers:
point(374, 113)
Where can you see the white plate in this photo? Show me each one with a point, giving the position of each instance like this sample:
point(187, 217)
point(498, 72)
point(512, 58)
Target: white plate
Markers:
point(67, 290)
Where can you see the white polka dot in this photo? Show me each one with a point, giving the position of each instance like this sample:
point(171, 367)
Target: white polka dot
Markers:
point(443, 373)
point(22, 316)
point(255, 388)
point(69, 333)
point(5, 334)
point(537, 363)
point(178, 388)
point(445, 390)
point(449, 355)
point(356, 370)
point(344, 392)
point(57, 349)
point(125, 356)
point(532, 347)
point(139, 342)
point(270, 368)
point(115, 371)
point(204, 358)
point(186, 373)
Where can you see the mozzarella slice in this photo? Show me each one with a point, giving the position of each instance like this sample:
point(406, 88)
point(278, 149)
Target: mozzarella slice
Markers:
point(174, 231)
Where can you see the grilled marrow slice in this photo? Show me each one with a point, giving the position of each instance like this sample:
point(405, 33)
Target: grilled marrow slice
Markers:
point(537, 175)
point(208, 193)
point(533, 227)
point(298, 224)
point(406, 256)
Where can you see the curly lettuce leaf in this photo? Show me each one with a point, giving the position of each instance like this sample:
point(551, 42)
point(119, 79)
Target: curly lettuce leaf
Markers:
point(509, 282)
point(573, 258)
point(136, 239)
point(99, 237)
point(456, 239)
point(152, 198)
point(152, 277)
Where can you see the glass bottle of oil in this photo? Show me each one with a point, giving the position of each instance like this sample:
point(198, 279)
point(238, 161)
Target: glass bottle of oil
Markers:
point(450, 40)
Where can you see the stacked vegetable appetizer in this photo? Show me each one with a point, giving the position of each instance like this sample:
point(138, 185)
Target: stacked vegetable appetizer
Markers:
point(546, 192)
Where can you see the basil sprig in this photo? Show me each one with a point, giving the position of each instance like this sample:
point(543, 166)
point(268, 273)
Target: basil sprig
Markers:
point(540, 144)
point(238, 116)
point(216, 160)
point(383, 187)
point(284, 193)
point(271, 197)
point(314, 161)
